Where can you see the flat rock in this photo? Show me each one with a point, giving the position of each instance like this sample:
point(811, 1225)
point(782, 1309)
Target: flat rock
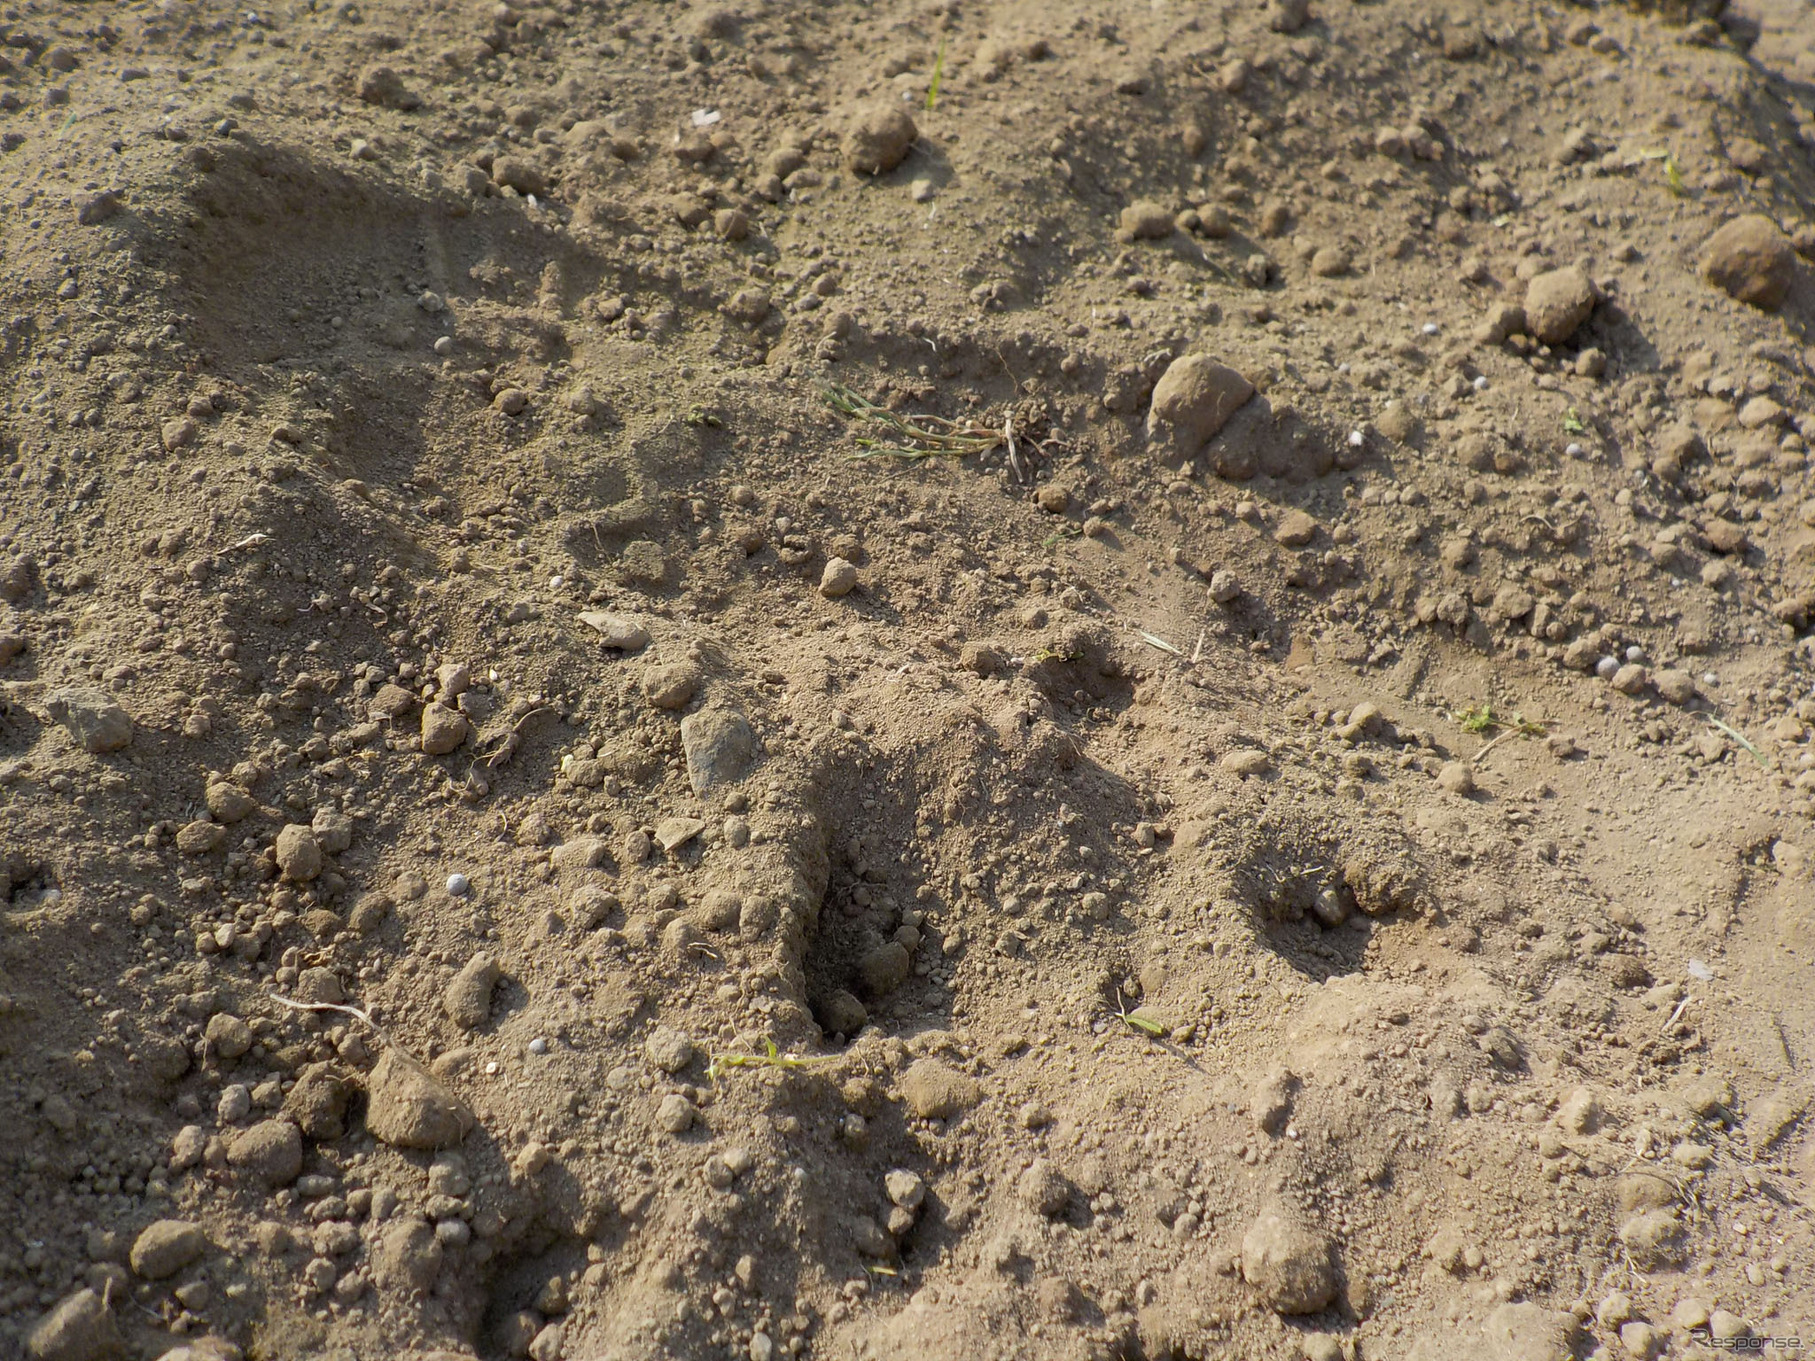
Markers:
point(719, 747)
point(409, 1108)
point(92, 717)
point(1193, 400)
point(938, 1091)
point(619, 632)
point(165, 1246)
point(1752, 260)
point(80, 1328)
point(1557, 302)
point(673, 833)
point(1290, 1265)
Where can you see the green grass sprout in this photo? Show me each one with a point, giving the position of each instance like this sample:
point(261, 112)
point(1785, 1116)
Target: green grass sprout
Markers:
point(932, 90)
point(1140, 1018)
point(1484, 719)
point(1738, 737)
point(914, 438)
point(770, 1058)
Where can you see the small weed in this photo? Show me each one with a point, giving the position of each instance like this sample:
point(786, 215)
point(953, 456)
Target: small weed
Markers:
point(770, 1058)
point(1047, 654)
point(700, 418)
point(1062, 533)
point(914, 437)
point(1484, 719)
point(1573, 424)
point(1738, 737)
point(1673, 173)
point(932, 90)
point(1140, 1018)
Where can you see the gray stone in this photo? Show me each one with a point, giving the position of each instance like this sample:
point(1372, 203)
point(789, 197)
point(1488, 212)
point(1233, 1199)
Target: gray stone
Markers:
point(92, 717)
point(616, 631)
point(719, 747)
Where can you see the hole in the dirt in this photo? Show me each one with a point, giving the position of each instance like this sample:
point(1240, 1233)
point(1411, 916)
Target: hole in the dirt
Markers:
point(1315, 897)
point(861, 962)
point(530, 1290)
point(25, 883)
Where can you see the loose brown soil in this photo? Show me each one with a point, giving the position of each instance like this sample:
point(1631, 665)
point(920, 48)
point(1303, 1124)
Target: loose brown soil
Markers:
point(906, 680)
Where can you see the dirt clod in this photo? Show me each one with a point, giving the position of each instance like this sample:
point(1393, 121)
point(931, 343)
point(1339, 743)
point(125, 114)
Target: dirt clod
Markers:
point(1752, 260)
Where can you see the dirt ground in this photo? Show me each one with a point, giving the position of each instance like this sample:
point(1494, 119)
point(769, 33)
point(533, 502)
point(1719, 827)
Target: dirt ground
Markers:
point(900, 679)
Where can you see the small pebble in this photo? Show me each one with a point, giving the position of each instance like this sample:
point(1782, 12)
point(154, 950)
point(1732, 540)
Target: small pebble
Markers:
point(457, 885)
